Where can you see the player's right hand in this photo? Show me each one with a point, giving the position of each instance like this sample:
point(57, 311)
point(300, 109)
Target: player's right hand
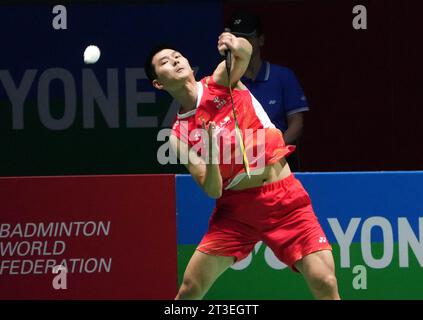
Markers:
point(213, 148)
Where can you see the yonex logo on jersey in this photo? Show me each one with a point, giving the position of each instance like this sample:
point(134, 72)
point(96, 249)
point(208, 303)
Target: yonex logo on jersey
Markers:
point(322, 240)
point(237, 21)
point(272, 101)
point(219, 102)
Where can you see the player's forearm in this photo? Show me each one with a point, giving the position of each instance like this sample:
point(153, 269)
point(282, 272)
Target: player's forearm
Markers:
point(241, 58)
point(243, 50)
point(212, 184)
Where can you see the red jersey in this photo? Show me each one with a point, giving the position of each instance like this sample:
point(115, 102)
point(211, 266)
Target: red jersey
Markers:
point(264, 143)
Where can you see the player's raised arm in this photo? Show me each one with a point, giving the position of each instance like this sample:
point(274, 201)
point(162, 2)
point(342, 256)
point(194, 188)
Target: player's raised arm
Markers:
point(241, 51)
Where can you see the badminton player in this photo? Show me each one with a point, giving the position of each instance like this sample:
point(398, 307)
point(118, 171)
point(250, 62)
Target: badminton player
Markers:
point(258, 199)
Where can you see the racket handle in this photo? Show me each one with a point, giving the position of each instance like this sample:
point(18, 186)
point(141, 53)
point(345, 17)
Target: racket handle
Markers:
point(228, 57)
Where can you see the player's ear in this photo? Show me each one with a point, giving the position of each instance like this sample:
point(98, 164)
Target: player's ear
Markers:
point(157, 84)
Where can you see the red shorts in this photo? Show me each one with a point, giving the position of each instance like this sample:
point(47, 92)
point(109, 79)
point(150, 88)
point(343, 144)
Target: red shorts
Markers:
point(279, 214)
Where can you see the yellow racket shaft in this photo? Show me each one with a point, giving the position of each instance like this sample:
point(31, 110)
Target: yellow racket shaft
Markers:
point(238, 131)
point(244, 153)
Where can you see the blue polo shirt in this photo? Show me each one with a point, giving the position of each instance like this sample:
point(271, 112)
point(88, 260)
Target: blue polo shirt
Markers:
point(278, 91)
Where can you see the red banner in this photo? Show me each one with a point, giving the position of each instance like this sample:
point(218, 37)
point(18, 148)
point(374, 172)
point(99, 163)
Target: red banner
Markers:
point(109, 237)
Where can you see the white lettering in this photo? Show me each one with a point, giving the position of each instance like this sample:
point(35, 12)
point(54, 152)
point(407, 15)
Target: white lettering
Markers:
point(344, 239)
point(366, 243)
point(44, 107)
point(109, 107)
point(134, 97)
point(406, 237)
point(17, 95)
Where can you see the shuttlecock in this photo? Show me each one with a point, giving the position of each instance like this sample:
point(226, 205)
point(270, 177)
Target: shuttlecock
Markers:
point(91, 54)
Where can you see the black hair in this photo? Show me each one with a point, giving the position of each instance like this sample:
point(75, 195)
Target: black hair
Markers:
point(148, 66)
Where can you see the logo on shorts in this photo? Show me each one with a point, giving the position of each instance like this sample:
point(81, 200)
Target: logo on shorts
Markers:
point(322, 240)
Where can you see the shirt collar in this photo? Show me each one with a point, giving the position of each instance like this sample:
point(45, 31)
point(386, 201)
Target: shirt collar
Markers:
point(263, 74)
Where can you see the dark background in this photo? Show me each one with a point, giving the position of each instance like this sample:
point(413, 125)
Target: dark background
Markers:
point(363, 85)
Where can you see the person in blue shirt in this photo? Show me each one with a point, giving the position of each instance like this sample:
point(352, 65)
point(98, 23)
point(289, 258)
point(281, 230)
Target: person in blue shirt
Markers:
point(275, 87)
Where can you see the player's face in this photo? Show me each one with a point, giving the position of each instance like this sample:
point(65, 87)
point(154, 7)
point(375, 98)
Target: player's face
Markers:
point(171, 66)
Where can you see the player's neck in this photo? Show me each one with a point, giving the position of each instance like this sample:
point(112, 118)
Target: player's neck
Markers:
point(186, 96)
point(253, 68)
